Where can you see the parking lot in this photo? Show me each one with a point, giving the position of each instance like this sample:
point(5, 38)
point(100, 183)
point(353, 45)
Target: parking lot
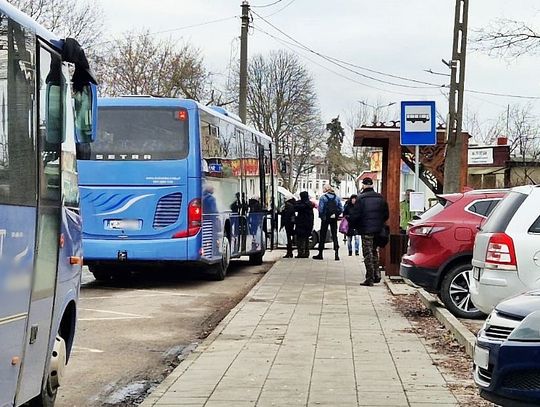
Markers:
point(132, 330)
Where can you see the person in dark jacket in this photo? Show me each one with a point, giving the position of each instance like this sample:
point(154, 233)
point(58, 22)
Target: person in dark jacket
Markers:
point(288, 221)
point(368, 216)
point(304, 224)
point(351, 232)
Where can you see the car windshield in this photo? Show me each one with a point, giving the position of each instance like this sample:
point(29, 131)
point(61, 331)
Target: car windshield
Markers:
point(503, 213)
point(141, 133)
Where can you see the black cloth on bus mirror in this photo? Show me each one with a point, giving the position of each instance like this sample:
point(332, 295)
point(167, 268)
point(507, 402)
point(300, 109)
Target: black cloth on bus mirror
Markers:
point(74, 53)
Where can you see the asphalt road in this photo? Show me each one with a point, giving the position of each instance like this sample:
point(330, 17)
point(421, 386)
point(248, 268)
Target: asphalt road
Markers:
point(132, 332)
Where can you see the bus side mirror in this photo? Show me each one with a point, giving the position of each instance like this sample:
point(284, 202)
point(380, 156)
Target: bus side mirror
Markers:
point(86, 113)
point(54, 114)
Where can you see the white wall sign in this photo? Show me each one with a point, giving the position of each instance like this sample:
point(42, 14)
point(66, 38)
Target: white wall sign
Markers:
point(480, 156)
point(417, 202)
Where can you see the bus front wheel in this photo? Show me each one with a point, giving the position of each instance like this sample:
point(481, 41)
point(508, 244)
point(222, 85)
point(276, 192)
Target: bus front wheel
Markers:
point(220, 269)
point(54, 375)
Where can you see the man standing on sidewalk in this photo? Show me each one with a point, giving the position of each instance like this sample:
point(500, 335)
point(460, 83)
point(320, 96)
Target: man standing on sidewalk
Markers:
point(330, 207)
point(368, 216)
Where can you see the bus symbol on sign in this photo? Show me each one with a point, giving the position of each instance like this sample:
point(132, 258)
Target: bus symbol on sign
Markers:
point(421, 117)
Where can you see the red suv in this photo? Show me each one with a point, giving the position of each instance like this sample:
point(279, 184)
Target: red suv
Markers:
point(441, 244)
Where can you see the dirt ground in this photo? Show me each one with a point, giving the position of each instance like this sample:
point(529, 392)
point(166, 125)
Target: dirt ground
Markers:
point(132, 332)
point(448, 354)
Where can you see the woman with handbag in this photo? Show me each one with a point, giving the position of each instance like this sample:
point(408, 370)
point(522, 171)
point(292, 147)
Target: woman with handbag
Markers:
point(349, 231)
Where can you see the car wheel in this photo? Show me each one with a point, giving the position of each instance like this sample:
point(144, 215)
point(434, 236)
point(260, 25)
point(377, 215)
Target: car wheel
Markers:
point(455, 292)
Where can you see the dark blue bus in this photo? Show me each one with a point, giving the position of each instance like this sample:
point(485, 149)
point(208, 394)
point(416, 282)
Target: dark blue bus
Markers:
point(171, 180)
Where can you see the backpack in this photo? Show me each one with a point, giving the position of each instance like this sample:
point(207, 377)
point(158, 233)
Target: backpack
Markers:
point(331, 209)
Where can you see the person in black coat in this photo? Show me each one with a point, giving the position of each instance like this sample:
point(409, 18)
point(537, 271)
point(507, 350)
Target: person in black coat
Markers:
point(288, 222)
point(351, 232)
point(368, 216)
point(304, 224)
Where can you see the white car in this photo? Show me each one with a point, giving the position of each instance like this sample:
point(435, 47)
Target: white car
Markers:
point(506, 258)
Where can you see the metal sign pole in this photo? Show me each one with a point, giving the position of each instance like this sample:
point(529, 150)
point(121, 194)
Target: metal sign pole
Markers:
point(417, 167)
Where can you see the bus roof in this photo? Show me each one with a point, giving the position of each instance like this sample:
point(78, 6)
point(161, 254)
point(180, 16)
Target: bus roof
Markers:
point(26, 21)
point(140, 101)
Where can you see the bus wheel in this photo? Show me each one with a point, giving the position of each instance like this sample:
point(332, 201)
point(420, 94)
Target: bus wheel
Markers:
point(54, 375)
point(100, 274)
point(256, 259)
point(220, 269)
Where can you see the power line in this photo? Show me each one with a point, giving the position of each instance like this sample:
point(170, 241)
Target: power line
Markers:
point(219, 20)
point(339, 63)
point(333, 60)
point(288, 45)
point(281, 9)
point(267, 5)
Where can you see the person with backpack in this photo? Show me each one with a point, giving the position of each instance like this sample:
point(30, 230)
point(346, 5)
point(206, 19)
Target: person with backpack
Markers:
point(368, 217)
point(330, 207)
point(288, 221)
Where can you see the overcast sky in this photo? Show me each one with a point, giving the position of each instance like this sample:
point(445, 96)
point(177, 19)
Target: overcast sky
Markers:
point(399, 37)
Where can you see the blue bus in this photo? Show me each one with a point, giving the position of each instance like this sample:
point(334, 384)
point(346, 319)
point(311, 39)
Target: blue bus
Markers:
point(171, 180)
point(45, 112)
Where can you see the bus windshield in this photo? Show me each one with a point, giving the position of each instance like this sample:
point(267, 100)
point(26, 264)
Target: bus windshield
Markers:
point(141, 133)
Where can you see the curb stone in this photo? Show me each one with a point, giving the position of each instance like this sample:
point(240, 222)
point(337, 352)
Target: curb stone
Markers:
point(460, 331)
point(400, 288)
point(164, 386)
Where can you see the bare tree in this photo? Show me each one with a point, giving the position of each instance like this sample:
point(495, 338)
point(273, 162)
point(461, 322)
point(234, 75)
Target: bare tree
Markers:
point(484, 133)
point(507, 38)
point(282, 103)
point(356, 160)
point(80, 19)
point(139, 64)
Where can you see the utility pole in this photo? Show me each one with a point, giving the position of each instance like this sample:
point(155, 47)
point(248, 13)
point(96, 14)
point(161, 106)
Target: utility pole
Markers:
point(242, 110)
point(454, 141)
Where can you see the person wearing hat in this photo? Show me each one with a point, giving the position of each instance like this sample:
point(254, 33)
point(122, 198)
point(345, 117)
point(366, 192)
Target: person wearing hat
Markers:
point(288, 221)
point(304, 224)
point(330, 208)
point(368, 216)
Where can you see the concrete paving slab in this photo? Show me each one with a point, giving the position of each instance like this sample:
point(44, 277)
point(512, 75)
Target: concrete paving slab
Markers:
point(309, 335)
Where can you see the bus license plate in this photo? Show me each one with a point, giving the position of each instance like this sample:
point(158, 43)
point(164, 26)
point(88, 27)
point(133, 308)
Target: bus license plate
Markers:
point(123, 224)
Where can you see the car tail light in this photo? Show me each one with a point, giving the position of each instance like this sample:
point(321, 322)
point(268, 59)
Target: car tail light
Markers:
point(501, 250)
point(426, 230)
point(194, 220)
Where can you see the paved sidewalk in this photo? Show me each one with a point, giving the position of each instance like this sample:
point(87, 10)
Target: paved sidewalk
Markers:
point(309, 335)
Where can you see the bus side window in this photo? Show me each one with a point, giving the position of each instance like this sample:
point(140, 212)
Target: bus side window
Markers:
point(17, 133)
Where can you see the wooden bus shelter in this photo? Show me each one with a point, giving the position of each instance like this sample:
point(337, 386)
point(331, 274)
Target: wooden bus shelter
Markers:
point(431, 173)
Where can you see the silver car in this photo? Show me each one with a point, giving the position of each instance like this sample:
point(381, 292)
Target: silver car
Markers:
point(506, 258)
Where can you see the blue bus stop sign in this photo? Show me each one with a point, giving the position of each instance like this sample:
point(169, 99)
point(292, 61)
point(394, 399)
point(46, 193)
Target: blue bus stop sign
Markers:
point(418, 124)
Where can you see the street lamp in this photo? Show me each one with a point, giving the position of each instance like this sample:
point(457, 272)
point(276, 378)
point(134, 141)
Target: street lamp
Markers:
point(376, 108)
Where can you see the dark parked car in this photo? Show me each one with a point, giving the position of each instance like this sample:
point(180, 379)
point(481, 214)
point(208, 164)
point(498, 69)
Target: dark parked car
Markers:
point(507, 352)
point(441, 245)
